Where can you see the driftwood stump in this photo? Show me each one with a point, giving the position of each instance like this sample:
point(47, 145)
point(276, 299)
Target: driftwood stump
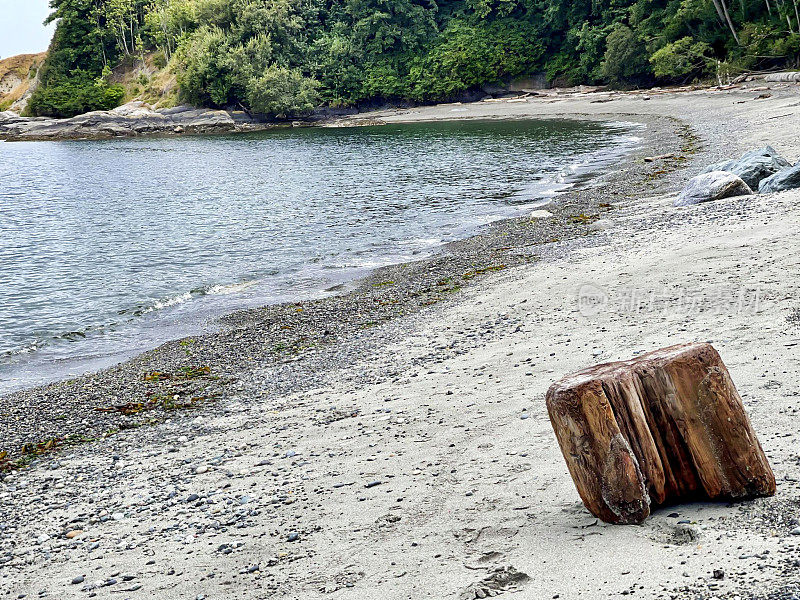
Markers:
point(668, 426)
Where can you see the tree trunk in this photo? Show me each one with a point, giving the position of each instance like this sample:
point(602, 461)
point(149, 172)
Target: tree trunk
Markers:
point(729, 21)
point(665, 427)
point(797, 15)
point(725, 18)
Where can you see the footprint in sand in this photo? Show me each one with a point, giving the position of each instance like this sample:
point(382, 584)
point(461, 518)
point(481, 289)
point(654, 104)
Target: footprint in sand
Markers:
point(504, 579)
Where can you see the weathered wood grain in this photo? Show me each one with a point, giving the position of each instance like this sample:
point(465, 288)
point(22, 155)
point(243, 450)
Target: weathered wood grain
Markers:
point(666, 427)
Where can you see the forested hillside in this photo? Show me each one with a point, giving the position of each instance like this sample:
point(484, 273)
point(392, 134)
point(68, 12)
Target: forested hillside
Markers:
point(284, 57)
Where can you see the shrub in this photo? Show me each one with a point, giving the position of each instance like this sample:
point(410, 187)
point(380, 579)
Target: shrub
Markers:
point(625, 60)
point(160, 60)
point(282, 92)
point(64, 98)
point(683, 60)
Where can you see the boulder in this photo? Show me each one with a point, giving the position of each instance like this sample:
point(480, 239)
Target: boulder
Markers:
point(787, 179)
point(135, 108)
point(665, 427)
point(715, 185)
point(181, 108)
point(767, 151)
point(723, 165)
point(9, 117)
point(753, 166)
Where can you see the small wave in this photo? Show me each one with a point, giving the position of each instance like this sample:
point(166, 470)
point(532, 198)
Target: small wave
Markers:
point(212, 290)
point(162, 304)
point(32, 347)
point(233, 288)
point(421, 242)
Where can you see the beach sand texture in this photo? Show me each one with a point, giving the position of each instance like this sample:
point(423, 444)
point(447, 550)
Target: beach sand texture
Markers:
point(430, 469)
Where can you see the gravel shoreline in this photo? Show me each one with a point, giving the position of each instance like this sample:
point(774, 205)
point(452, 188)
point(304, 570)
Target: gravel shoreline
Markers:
point(305, 340)
point(408, 454)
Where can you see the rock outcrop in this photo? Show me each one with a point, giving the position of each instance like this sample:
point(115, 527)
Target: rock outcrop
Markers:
point(753, 166)
point(18, 79)
point(666, 427)
point(129, 120)
point(711, 186)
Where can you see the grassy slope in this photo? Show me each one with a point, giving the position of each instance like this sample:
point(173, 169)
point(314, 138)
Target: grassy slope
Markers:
point(16, 75)
point(144, 80)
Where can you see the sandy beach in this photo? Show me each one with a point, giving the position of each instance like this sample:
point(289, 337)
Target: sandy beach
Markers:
point(413, 458)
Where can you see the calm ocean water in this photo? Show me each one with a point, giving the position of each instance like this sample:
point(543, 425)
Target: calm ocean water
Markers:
point(110, 248)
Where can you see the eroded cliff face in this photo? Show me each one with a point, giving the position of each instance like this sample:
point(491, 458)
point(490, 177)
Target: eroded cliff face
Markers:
point(18, 78)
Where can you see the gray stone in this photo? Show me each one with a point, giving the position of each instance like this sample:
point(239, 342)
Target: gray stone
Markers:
point(754, 166)
point(723, 165)
point(767, 151)
point(788, 179)
point(132, 119)
point(708, 187)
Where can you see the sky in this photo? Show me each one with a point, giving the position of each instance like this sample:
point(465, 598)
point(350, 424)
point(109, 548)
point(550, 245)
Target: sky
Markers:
point(21, 29)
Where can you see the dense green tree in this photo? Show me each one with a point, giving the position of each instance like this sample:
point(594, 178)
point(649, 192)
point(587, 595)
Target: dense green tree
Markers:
point(73, 77)
point(282, 92)
point(625, 60)
point(279, 56)
point(471, 55)
point(682, 60)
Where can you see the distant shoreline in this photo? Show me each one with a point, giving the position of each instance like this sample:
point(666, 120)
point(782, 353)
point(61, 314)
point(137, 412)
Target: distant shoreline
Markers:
point(137, 119)
point(458, 263)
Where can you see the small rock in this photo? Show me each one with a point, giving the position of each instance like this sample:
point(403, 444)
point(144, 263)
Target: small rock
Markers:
point(78, 580)
point(601, 225)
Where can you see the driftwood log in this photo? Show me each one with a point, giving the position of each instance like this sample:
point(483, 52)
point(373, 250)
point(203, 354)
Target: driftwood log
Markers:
point(668, 426)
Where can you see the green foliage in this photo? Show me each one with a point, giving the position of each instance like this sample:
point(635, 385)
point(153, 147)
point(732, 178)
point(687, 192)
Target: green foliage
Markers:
point(470, 55)
point(282, 57)
point(73, 95)
point(282, 92)
point(683, 59)
point(625, 58)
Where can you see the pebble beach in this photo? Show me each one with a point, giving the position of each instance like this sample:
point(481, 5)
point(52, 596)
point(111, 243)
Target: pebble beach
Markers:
point(393, 441)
